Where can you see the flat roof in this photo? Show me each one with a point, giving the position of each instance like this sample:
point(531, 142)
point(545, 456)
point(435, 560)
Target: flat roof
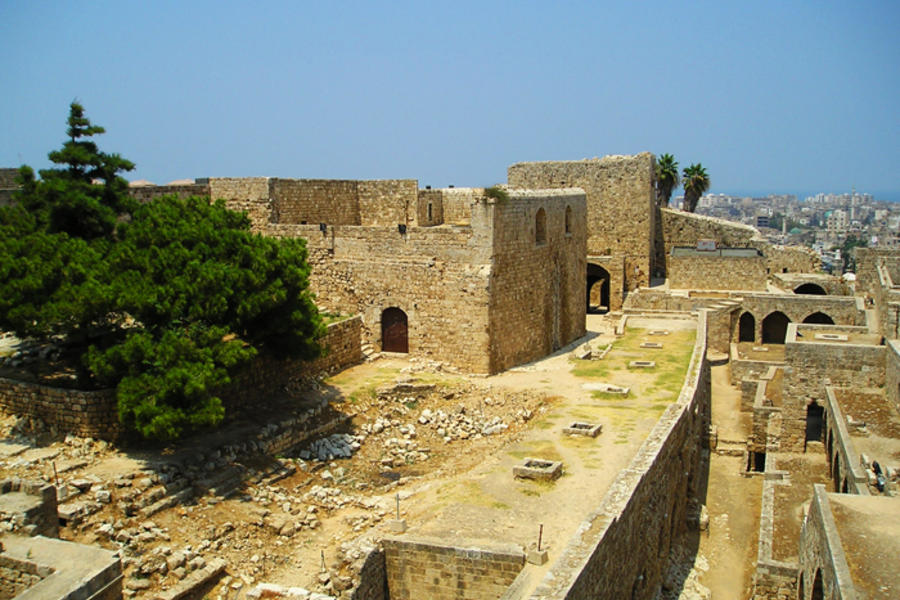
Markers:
point(869, 527)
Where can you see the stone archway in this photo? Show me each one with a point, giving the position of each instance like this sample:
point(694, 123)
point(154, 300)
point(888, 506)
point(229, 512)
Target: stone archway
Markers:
point(747, 328)
point(394, 330)
point(812, 289)
point(774, 328)
point(819, 318)
point(597, 289)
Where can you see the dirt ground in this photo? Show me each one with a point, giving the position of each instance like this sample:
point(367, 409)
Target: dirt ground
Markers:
point(733, 500)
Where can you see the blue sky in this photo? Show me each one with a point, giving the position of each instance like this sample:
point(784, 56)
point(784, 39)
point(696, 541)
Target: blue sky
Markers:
point(769, 96)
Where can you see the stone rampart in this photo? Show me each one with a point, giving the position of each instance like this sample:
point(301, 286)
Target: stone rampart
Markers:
point(621, 550)
point(892, 374)
point(621, 205)
point(314, 201)
point(717, 272)
point(685, 229)
point(434, 569)
point(252, 195)
point(388, 203)
point(146, 193)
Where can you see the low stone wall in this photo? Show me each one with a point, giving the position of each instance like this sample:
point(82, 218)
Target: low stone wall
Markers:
point(36, 517)
point(621, 550)
point(716, 272)
point(892, 373)
point(16, 576)
point(788, 259)
point(749, 369)
point(843, 459)
point(821, 553)
point(95, 413)
point(433, 569)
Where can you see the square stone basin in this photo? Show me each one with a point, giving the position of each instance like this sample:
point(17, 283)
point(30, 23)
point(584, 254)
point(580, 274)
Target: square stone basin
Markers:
point(579, 428)
point(760, 349)
point(642, 364)
point(538, 468)
point(654, 345)
point(658, 332)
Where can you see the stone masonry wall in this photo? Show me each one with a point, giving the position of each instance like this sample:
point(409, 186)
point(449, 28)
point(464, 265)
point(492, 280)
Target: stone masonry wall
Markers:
point(716, 273)
point(252, 195)
point(892, 374)
point(40, 517)
point(146, 193)
point(622, 550)
point(433, 199)
point(821, 551)
point(537, 302)
point(84, 413)
point(16, 576)
point(438, 276)
point(314, 201)
point(621, 205)
point(843, 310)
point(684, 229)
point(813, 365)
point(387, 203)
point(788, 259)
point(434, 569)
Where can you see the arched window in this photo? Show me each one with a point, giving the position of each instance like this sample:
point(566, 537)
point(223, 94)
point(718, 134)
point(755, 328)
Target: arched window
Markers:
point(568, 219)
point(540, 227)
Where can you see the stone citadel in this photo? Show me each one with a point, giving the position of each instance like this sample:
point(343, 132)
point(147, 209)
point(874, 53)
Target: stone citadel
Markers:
point(475, 281)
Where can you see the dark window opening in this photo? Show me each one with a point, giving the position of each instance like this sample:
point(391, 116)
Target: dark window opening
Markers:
point(814, 422)
point(747, 328)
point(540, 227)
point(568, 219)
point(774, 328)
point(756, 462)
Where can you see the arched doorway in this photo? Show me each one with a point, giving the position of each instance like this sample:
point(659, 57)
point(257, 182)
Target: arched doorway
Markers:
point(814, 414)
point(597, 289)
point(819, 318)
point(747, 328)
point(774, 328)
point(812, 289)
point(394, 330)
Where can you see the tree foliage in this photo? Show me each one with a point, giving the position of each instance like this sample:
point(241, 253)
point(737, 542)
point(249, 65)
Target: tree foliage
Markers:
point(164, 301)
point(696, 183)
point(666, 178)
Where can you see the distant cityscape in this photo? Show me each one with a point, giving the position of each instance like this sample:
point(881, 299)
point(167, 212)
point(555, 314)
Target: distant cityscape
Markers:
point(830, 224)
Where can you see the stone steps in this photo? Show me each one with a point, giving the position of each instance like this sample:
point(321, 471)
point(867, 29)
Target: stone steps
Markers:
point(731, 447)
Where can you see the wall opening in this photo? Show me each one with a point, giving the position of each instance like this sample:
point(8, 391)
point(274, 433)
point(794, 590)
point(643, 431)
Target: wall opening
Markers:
point(819, 318)
point(540, 227)
point(812, 289)
point(774, 328)
point(818, 590)
point(394, 330)
point(747, 328)
point(568, 219)
point(597, 289)
point(800, 590)
point(756, 462)
point(814, 422)
point(430, 213)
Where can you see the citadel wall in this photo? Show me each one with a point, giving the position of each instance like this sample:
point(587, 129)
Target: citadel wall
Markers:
point(621, 200)
point(621, 550)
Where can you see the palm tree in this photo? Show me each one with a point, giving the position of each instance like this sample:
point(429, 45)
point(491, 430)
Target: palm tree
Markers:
point(666, 178)
point(696, 182)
